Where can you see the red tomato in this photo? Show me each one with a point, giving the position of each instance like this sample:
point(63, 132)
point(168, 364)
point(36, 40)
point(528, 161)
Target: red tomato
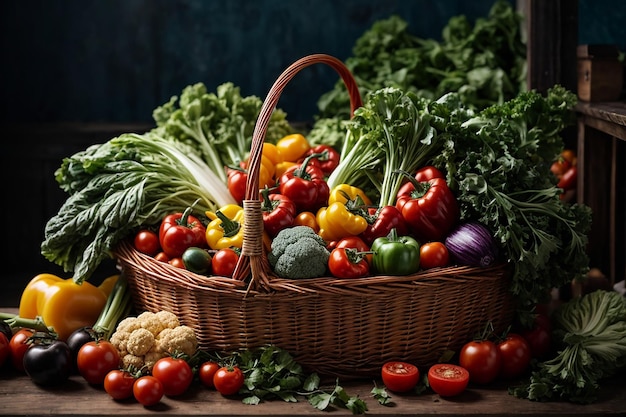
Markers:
point(228, 380)
point(515, 353)
point(147, 241)
point(224, 262)
point(96, 359)
point(482, 359)
point(119, 384)
point(433, 255)
point(539, 338)
point(448, 380)
point(356, 243)
point(5, 349)
point(206, 372)
point(177, 262)
point(162, 257)
point(174, 373)
point(400, 376)
point(568, 179)
point(148, 390)
point(18, 346)
point(345, 263)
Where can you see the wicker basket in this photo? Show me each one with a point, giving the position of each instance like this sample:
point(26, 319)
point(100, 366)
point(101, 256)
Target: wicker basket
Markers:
point(336, 327)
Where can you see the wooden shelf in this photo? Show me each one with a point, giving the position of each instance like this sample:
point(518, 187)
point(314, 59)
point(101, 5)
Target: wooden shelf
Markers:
point(601, 185)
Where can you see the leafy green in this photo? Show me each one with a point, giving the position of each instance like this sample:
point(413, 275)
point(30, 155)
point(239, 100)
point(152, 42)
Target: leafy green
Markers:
point(219, 125)
point(134, 180)
point(590, 332)
point(391, 132)
point(498, 165)
point(114, 188)
point(272, 373)
point(484, 63)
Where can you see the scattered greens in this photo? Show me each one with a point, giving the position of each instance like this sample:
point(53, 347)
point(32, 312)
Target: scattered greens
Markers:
point(272, 373)
point(590, 333)
point(134, 180)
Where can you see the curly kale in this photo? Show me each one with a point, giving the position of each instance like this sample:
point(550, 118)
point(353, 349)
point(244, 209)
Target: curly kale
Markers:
point(498, 164)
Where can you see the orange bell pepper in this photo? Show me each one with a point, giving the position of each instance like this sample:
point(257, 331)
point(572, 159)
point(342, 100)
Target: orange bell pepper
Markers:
point(63, 304)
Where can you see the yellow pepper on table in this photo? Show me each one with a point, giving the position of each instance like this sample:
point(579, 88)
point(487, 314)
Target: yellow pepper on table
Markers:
point(226, 227)
point(63, 304)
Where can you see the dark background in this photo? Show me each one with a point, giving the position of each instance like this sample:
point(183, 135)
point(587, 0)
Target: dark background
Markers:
point(78, 72)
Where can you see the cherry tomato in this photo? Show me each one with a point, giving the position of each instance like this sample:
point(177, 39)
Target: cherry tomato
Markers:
point(306, 218)
point(515, 353)
point(224, 262)
point(5, 349)
point(433, 255)
point(206, 372)
point(539, 338)
point(18, 346)
point(400, 376)
point(228, 380)
point(174, 373)
point(162, 257)
point(96, 359)
point(569, 155)
point(119, 384)
point(448, 380)
point(177, 262)
point(482, 359)
point(559, 167)
point(146, 241)
point(148, 390)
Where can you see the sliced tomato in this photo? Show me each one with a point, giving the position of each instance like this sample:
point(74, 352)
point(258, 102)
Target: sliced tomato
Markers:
point(400, 376)
point(448, 380)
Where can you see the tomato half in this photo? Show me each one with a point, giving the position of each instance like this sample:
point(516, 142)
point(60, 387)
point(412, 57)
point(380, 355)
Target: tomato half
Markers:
point(448, 380)
point(433, 255)
point(119, 384)
point(148, 390)
point(228, 380)
point(515, 353)
point(174, 373)
point(400, 376)
point(482, 359)
point(96, 359)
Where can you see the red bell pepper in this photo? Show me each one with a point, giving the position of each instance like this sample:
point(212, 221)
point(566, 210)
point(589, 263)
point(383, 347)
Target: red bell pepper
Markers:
point(430, 210)
point(304, 184)
point(329, 159)
point(381, 220)
point(423, 174)
point(180, 231)
point(278, 211)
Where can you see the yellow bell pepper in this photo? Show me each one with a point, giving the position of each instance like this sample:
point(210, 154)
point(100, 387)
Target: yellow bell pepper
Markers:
point(293, 147)
point(63, 304)
point(226, 227)
point(345, 192)
point(336, 221)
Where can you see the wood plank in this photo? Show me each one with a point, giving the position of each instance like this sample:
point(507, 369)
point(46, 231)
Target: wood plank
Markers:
point(76, 398)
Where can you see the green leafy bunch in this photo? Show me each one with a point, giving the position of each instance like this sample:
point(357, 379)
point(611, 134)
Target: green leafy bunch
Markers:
point(498, 165)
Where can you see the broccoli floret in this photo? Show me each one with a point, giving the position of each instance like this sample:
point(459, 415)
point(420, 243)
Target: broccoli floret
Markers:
point(298, 252)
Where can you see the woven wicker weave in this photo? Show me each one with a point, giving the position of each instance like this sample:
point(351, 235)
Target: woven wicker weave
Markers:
point(337, 327)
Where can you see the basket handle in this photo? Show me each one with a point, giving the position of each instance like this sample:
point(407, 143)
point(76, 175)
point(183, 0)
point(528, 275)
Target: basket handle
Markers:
point(252, 248)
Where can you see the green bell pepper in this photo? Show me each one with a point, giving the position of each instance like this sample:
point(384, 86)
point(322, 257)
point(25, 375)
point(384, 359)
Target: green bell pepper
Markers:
point(395, 255)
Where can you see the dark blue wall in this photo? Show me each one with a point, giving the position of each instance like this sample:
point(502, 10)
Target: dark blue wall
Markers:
point(116, 60)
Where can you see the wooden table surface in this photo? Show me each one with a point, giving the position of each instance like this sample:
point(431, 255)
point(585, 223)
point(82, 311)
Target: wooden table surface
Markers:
point(20, 397)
